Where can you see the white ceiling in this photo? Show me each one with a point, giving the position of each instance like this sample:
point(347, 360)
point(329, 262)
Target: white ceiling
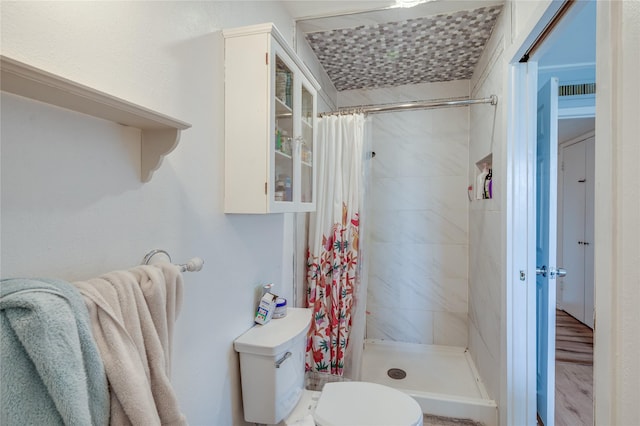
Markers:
point(315, 9)
point(574, 42)
point(302, 9)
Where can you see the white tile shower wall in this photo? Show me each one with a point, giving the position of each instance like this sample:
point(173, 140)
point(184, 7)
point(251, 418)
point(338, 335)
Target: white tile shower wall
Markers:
point(486, 224)
point(418, 283)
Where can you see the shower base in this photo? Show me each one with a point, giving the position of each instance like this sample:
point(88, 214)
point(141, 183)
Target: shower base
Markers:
point(443, 379)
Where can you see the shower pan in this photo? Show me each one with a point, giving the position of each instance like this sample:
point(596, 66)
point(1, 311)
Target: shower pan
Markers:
point(443, 379)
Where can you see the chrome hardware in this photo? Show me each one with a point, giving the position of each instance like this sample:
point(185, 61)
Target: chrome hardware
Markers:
point(560, 272)
point(192, 265)
point(148, 256)
point(542, 271)
point(283, 359)
point(523, 275)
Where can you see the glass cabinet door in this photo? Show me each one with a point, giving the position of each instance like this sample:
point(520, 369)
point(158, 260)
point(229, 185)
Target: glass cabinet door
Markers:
point(306, 146)
point(284, 136)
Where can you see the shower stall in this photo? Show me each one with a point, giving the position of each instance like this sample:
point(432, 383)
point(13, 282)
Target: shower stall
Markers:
point(417, 322)
point(414, 333)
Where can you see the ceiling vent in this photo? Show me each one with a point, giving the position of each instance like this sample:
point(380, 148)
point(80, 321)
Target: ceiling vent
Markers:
point(577, 89)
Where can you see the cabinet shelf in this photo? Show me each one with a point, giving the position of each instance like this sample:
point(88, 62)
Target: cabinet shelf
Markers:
point(282, 107)
point(284, 154)
point(282, 110)
point(159, 133)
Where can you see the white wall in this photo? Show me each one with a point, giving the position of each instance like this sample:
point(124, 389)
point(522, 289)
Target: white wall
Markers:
point(486, 230)
point(73, 205)
point(617, 209)
point(418, 282)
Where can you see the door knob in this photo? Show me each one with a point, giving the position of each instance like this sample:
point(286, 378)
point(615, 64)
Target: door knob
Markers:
point(560, 272)
point(542, 270)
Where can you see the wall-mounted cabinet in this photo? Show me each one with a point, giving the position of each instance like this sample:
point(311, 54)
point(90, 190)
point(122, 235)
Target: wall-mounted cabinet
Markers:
point(270, 122)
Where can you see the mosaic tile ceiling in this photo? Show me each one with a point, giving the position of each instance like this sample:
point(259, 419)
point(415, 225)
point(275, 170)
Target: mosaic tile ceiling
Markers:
point(428, 49)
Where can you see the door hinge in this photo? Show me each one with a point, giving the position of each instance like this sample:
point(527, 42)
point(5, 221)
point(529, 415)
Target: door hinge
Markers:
point(266, 58)
point(265, 188)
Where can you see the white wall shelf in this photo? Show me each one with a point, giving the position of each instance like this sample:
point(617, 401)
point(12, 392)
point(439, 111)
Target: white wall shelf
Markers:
point(159, 133)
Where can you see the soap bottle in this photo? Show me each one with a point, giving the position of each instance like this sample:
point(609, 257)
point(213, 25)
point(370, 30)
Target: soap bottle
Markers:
point(480, 181)
point(287, 188)
point(488, 187)
point(279, 193)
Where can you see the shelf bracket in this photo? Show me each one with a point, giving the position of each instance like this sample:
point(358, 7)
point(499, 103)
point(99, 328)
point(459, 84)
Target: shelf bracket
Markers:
point(154, 146)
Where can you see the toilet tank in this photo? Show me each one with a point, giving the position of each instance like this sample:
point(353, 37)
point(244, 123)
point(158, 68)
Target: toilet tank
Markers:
point(272, 366)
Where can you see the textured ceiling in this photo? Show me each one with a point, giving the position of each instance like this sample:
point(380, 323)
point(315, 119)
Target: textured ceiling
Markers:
point(436, 48)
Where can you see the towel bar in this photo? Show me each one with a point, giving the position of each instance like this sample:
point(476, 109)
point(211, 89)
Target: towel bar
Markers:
point(192, 265)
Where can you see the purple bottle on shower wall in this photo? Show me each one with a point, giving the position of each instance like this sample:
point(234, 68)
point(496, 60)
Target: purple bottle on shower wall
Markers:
point(488, 186)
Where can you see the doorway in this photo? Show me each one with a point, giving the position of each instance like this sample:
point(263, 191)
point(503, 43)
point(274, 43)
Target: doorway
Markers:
point(572, 377)
point(575, 292)
point(534, 70)
point(575, 218)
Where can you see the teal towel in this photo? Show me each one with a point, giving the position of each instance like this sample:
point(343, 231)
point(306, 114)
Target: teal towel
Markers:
point(51, 372)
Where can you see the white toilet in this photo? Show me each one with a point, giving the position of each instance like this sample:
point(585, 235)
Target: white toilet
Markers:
point(272, 372)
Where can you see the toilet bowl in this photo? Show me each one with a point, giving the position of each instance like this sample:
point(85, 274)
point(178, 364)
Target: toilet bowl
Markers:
point(355, 404)
point(272, 375)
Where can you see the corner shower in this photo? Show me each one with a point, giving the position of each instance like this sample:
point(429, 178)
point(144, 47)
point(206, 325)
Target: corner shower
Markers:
point(414, 253)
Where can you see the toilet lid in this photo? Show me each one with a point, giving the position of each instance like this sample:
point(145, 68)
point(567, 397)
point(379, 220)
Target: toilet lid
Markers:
point(365, 404)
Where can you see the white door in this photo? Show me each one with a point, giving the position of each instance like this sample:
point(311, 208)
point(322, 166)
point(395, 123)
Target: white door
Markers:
point(589, 226)
point(573, 216)
point(577, 229)
point(546, 229)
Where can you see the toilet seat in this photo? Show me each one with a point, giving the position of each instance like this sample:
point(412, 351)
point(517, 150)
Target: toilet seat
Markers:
point(365, 404)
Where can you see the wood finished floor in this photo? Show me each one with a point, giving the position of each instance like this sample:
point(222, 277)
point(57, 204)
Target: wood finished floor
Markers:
point(574, 340)
point(430, 420)
point(574, 372)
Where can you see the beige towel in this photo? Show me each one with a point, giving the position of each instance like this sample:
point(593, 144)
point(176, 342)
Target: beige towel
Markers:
point(132, 314)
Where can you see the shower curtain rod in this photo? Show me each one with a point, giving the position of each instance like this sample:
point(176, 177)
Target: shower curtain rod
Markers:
point(441, 103)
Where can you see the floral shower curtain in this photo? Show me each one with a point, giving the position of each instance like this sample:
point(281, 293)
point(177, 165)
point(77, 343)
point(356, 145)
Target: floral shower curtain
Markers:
point(334, 230)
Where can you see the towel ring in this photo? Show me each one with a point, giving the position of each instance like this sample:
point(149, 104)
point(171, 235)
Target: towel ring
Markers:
point(192, 265)
point(148, 256)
